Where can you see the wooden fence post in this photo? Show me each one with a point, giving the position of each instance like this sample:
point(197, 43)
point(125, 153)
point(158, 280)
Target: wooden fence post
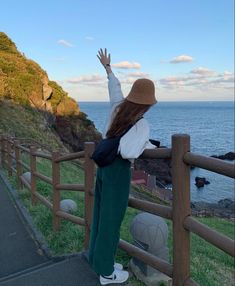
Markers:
point(18, 165)
point(9, 158)
point(181, 209)
point(89, 185)
point(56, 193)
point(33, 168)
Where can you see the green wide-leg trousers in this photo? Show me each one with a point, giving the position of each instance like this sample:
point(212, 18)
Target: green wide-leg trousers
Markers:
point(110, 203)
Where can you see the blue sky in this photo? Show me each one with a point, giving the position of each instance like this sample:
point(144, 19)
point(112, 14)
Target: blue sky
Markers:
point(186, 47)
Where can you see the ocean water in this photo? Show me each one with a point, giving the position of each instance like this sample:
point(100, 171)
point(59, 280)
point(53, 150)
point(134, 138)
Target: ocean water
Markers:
point(211, 129)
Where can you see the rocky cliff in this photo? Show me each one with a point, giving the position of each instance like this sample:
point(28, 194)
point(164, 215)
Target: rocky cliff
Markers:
point(25, 83)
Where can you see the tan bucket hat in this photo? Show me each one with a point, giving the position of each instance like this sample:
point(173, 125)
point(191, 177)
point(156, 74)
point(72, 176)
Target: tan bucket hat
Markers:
point(142, 92)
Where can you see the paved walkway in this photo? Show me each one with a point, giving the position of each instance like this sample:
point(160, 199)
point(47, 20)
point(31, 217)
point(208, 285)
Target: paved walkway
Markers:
point(18, 250)
point(22, 261)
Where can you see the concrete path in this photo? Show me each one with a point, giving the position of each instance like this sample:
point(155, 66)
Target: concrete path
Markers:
point(18, 250)
point(73, 271)
point(22, 260)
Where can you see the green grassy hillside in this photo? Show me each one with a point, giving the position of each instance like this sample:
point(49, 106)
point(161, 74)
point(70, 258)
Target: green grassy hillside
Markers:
point(26, 122)
point(32, 106)
point(24, 81)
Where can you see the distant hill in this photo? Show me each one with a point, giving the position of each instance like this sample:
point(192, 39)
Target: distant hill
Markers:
point(25, 88)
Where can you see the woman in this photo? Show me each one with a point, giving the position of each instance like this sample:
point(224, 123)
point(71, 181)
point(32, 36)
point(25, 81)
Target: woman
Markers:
point(113, 181)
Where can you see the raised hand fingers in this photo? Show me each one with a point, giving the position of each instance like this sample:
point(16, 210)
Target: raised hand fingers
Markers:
point(103, 56)
point(100, 52)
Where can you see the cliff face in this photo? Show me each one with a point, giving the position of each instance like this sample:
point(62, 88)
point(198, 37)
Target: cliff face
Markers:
point(25, 83)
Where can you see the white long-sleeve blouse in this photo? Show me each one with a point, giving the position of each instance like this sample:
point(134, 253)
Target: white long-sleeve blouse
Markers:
point(136, 140)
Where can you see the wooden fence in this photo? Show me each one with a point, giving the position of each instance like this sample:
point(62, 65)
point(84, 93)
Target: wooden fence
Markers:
point(179, 212)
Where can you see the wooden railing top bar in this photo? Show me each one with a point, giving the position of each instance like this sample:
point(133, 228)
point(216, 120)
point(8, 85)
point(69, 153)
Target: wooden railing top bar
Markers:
point(221, 241)
point(71, 156)
point(153, 208)
point(159, 153)
point(211, 164)
point(42, 155)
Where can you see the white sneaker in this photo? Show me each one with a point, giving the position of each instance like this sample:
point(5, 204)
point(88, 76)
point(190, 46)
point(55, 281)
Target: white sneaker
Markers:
point(118, 266)
point(118, 276)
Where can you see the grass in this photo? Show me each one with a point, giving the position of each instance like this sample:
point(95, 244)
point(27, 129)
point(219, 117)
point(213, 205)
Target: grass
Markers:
point(26, 122)
point(210, 266)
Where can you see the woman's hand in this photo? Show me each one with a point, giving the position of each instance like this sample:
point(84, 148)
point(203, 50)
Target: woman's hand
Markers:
point(105, 59)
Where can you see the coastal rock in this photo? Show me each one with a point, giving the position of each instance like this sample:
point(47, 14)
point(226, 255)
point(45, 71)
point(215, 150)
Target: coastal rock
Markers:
point(46, 89)
point(48, 106)
point(228, 156)
point(161, 168)
point(36, 100)
point(200, 182)
point(226, 203)
point(75, 130)
point(224, 208)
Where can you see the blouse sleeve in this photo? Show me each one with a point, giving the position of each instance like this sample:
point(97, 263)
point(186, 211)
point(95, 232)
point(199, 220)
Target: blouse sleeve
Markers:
point(136, 140)
point(115, 92)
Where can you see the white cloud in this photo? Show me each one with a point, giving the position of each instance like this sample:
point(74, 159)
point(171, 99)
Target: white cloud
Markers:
point(88, 79)
point(181, 59)
point(65, 43)
point(200, 78)
point(127, 65)
point(204, 72)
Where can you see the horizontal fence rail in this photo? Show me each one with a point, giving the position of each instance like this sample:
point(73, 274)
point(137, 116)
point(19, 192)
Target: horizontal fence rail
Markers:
point(211, 164)
point(24, 165)
point(69, 157)
point(179, 213)
point(147, 258)
point(153, 208)
point(221, 241)
point(71, 217)
point(43, 177)
point(46, 202)
point(25, 182)
point(27, 150)
point(42, 155)
point(71, 187)
point(160, 153)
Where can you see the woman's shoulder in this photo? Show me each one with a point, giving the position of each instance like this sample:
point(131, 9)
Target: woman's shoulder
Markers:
point(140, 127)
point(142, 122)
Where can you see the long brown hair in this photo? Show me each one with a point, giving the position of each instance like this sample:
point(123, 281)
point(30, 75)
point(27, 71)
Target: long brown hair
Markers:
point(127, 113)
